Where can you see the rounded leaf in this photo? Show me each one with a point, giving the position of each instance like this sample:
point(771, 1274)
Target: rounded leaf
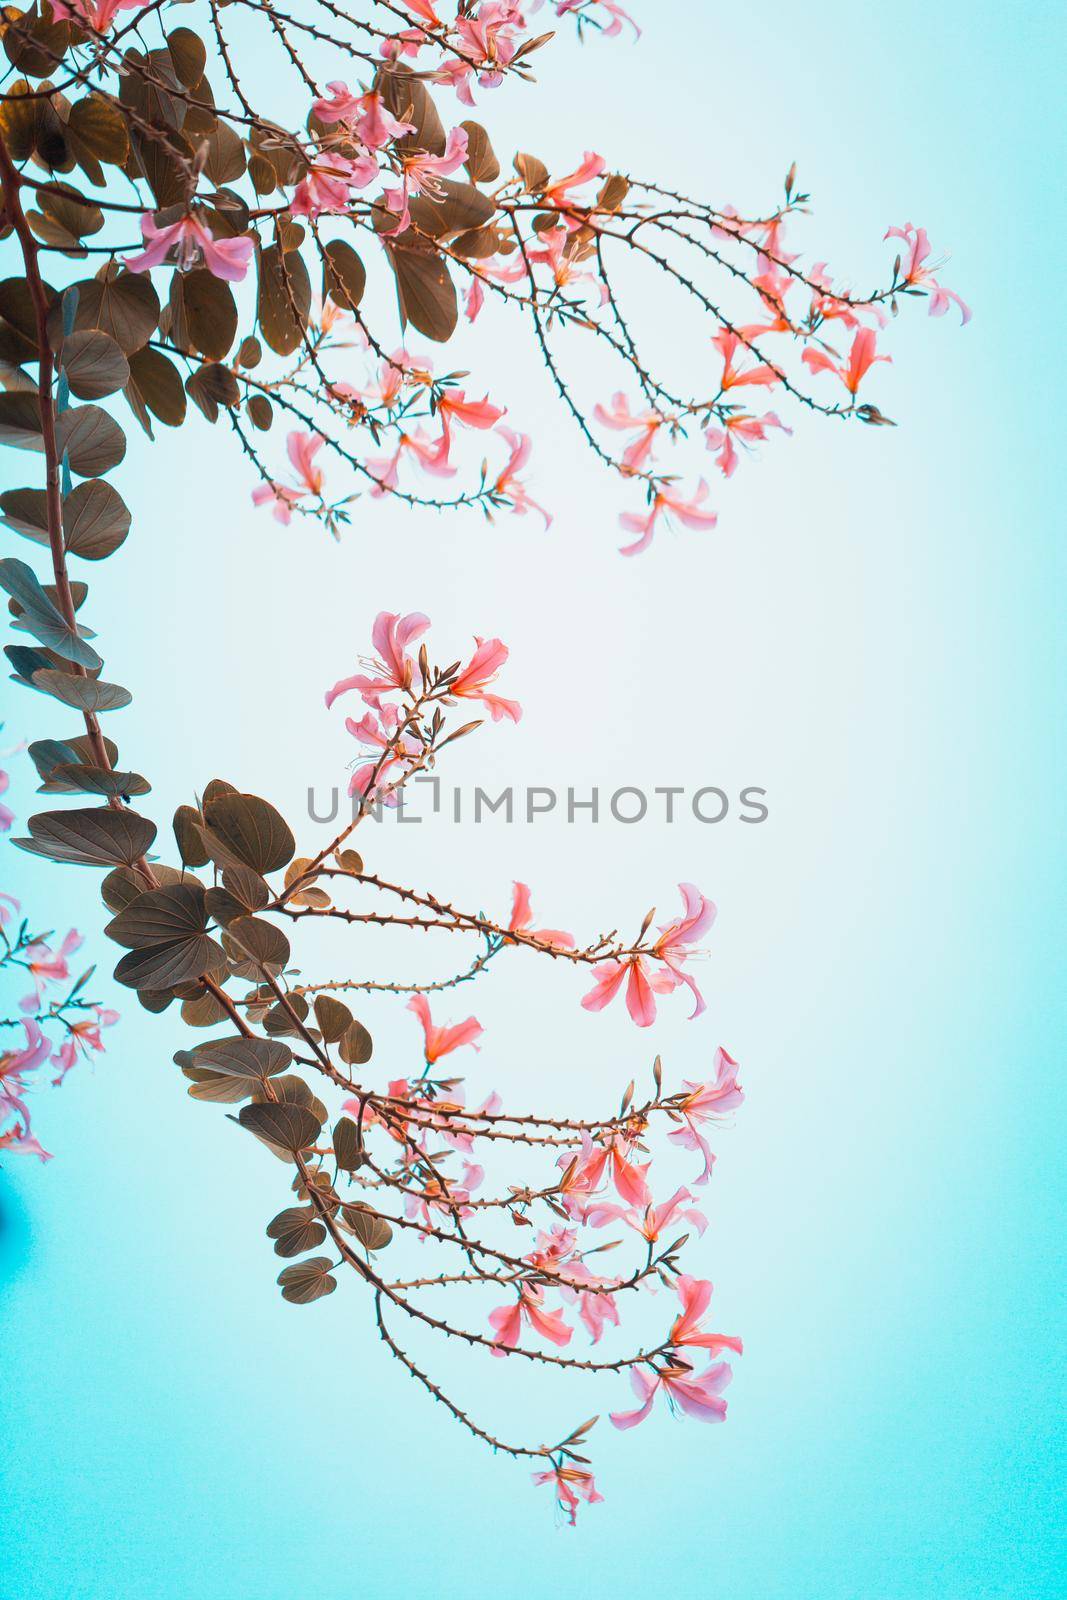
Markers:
point(289, 1127)
point(94, 364)
point(307, 1280)
point(160, 916)
point(91, 439)
point(99, 836)
point(165, 966)
point(96, 520)
point(244, 830)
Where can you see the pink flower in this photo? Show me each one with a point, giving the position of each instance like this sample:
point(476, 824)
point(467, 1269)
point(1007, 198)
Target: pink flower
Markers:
point(491, 38)
point(672, 946)
point(326, 185)
point(645, 423)
point(380, 732)
point(529, 1307)
point(453, 406)
point(431, 454)
point(617, 16)
point(559, 252)
point(571, 1484)
point(749, 430)
point(668, 503)
point(95, 14)
point(861, 358)
point(919, 275)
point(695, 1295)
point(46, 966)
point(697, 1397)
point(595, 1310)
point(609, 980)
point(475, 299)
point(421, 172)
point(280, 498)
point(82, 1037)
point(655, 1219)
point(671, 949)
point(482, 669)
point(6, 817)
point(508, 486)
point(584, 1172)
point(301, 448)
point(441, 1041)
point(522, 917)
point(727, 342)
point(15, 1067)
point(703, 1103)
point(374, 125)
point(557, 193)
point(225, 258)
point(393, 668)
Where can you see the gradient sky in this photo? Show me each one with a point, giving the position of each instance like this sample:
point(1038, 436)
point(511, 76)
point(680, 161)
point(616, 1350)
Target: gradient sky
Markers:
point(873, 635)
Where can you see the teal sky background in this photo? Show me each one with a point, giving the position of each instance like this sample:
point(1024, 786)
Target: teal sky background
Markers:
point(874, 635)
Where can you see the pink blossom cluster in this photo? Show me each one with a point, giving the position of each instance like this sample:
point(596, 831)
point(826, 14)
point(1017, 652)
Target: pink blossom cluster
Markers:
point(744, 365)
point(733, 429)
point(391, 681)
point(605, 1181)
point(401, 399)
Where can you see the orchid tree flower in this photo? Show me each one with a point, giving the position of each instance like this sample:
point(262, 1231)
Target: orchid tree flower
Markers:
point(491, 37)
point(861, 358)
point(509, 486)
point(667, 503)
point(698, 1397)
point(421, 173)
point(705, 1102)
point(522, 918)
point(507, 1321)
point(672, 949)
point(379, 732)
point(481, 670)
point(654, 1220)
point(687, 1331)
point(431, 454)
point(558, 252)
point(572, 1485)
point(82, 1036)
point(728, 343)
point(441, 1041)
point(46, 966)
point(365, 114)
point(327, 186)
point(749, 430)
point(95, 14)
point(7, 816)
point(558, 193)
point(301, 448)
point(192, 242)
point(392, 669)
point(919, 273)
point(17, 1064)
point(453, 406)
point(585, 1170)
point(616, 15)
point(646, 424)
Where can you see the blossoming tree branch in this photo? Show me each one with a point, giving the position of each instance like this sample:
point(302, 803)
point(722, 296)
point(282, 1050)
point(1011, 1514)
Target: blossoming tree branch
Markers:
point(179, 234)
